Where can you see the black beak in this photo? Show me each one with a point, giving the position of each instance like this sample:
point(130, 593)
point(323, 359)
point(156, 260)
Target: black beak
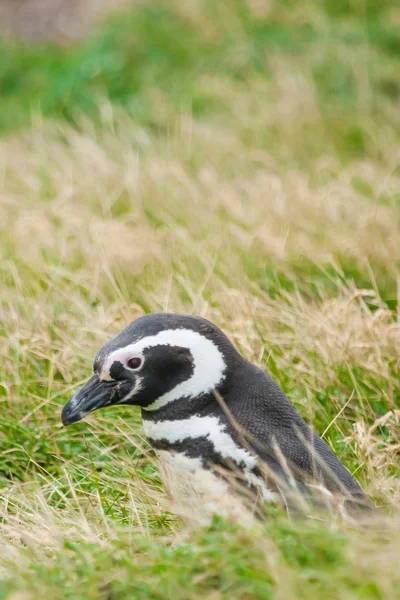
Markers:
point(93, 395)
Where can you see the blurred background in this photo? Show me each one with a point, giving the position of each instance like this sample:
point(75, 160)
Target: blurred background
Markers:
point(237, 159)
point(57, 21)
point(330, 66)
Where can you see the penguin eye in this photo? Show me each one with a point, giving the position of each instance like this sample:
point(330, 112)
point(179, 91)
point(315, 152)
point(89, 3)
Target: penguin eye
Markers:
point(135, 362)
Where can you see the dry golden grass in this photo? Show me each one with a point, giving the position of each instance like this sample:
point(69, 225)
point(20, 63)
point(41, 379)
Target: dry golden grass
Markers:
point(107, 219)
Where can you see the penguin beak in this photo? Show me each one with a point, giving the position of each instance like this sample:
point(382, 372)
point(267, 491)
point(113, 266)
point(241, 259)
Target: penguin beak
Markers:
point(93, 395)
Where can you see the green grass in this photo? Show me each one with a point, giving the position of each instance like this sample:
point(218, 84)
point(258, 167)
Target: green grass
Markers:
point(233, 160)
point(219, 558)
point(158, 59)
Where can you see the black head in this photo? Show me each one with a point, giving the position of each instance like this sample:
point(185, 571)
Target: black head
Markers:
point(158, 359)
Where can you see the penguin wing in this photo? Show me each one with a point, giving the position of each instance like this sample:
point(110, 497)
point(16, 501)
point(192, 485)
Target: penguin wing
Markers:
point(278, 434)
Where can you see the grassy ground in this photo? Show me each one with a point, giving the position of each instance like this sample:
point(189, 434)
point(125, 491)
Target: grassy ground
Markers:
point(237, 160)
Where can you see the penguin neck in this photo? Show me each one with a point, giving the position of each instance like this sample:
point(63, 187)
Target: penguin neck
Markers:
point(206, 435)
point(180, 409)
point(200, 427)
point(204, 427)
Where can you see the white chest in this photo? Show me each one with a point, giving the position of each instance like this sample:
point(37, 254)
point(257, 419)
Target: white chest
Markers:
point(198, 493)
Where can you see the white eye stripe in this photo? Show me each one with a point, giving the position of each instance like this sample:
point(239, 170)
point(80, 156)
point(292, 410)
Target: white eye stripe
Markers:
point(208, 362)
point(122, 357)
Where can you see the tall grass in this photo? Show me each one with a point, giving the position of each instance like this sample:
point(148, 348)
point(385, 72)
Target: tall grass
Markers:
point(239, 161)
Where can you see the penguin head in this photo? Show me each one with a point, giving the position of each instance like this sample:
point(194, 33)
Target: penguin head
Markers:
point(157, 361)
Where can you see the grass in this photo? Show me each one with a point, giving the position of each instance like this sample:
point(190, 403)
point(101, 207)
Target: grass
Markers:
point(236, 160)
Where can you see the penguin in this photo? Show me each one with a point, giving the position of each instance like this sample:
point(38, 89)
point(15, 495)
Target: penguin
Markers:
point(223, 430)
